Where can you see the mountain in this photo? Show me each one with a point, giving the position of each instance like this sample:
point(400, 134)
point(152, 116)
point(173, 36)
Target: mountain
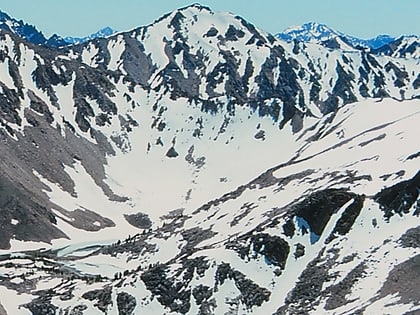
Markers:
point(31, 34)
point(199, 165)
point(58, 41)
point(403, 47)
point(322, 34)
point(24, 30)
point(105, 32)
point(311, 32)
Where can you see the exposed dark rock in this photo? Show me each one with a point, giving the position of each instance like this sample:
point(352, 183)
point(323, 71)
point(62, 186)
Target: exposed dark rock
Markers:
point(233, 33)
point(403, 280)
point(212, 32)
point(9, 104)
point(40, 107)
point(126, 303)
point(139, 220)
point(317, 208)
point(380, 137)
point(260, 135)
point(35, 222)
point(289, 228)
point(40, 307)
point(202, 293)
point(413, 156)
point(399, 198)
point(76, 310)
point(307, 290)
point(172, 153)
point(2, 310)
point(347, 219)
point(245, 210)
point(251, 293)
point(400, 75)
point(195, 236)
point(411, 238)
point(137, 63)
point(103, 298)
point(344, 86)
point(416, 83)
point(86, 219)
point(299, 251)
point(274, 249)
point(338, 292)
point(170, 294)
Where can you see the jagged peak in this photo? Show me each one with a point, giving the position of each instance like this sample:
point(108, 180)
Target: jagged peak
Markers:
point(4, 16)
point(309, 31)
point(195, 6)
point(315, 26)
point(102, 33)
point(322, 34)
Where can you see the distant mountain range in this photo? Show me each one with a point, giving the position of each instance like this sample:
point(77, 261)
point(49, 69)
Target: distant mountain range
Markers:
point(321, 33)
point(406, 46)
point(311, 32)
point(199, 165)
point(107, 31)
point(31, 34)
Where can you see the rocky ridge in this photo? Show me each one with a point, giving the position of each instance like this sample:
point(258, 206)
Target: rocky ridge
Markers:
point(144, 123)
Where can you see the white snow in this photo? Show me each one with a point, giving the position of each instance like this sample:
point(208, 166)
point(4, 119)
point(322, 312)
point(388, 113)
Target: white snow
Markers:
point(365, 140)
point(116, 47)
point(12, 301)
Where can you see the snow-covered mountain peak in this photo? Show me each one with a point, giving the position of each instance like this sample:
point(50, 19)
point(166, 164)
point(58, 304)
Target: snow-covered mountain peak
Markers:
point(200, 166)
point(196, 7)
point(309, 31)
point(404, 46)
point(199, 17)
point(102, 33)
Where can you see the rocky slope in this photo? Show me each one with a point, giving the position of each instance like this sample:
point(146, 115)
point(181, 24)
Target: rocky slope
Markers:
point(199, 165)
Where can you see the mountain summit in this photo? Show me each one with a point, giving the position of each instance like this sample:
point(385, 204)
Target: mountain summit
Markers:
point(23, 30)
point(102, 33)
point(199, 165)
point(320, 33)
point(311, 32)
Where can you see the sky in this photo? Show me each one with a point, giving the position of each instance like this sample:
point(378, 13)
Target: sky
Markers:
point(361, 18)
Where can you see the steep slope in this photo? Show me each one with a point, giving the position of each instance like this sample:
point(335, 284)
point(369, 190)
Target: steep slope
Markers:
point(197, 165)
point(403, 47)
point(142, 100)
point(23, 30)
point(175, 102)
point(253, 67)
point(308, 235)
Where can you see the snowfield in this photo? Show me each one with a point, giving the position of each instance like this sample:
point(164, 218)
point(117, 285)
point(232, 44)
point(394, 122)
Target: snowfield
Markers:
point(199, 165)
